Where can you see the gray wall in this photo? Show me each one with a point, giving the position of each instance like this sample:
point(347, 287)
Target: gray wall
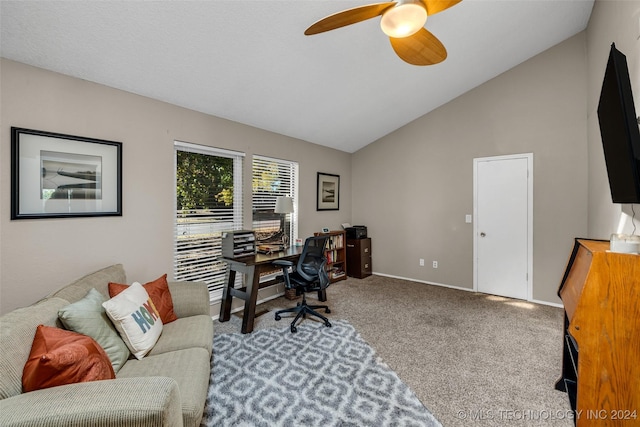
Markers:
point(619, 22)
point(39, 256)
point(413, 187)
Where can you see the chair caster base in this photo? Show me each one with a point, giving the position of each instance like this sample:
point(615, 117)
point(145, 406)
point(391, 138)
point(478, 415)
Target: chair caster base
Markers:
point(303, 311)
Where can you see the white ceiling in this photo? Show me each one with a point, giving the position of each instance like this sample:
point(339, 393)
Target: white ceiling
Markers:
point(248, 61)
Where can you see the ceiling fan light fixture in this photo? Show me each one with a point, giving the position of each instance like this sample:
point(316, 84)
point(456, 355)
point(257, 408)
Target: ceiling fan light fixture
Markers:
point(404, 20)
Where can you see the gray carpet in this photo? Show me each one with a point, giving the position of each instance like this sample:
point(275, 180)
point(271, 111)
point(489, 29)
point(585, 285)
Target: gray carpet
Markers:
point(318, 376)
point(472, 359)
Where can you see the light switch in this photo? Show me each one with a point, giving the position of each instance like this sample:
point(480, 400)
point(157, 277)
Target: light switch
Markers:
point(467, 219)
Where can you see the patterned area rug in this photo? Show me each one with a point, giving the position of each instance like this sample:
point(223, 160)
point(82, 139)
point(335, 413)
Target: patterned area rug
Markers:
point(318, 376)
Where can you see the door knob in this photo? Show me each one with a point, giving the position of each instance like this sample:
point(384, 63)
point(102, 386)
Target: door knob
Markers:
point(482, 234)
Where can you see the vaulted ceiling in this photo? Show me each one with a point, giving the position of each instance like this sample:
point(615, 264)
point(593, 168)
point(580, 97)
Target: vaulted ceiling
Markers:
point(249, 61)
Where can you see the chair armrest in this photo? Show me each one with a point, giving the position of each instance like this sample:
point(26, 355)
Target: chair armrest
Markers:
point(190, 298)
point(282, 263)
point(151, 401)
point(285, 265)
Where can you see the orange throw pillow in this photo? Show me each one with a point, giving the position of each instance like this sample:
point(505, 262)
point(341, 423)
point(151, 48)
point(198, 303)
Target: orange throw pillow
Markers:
point(158, 291)
point(60, 357)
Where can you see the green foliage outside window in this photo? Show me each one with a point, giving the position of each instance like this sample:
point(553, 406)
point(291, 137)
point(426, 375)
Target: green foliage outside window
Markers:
point(267, 180)
point(203, 181)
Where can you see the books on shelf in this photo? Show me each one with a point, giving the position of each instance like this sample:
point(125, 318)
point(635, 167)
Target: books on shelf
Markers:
point(335, 253)
point(335, 242)
point(333, 256)
point(336, 272)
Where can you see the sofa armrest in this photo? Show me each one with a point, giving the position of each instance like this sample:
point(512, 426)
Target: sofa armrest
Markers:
point(190, 298)
point(150, 401)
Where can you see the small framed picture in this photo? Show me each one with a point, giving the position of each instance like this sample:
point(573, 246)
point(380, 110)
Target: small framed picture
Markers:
point(325, 230)
point(328, 192)
point(56, 176)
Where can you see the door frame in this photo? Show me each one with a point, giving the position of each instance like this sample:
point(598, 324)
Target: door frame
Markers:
point(529, 158)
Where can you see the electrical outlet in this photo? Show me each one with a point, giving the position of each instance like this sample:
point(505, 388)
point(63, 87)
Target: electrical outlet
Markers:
point(435, 264)
point(421, 262)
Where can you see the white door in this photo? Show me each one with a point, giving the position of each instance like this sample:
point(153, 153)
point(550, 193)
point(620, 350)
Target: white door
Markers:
point(503, 225)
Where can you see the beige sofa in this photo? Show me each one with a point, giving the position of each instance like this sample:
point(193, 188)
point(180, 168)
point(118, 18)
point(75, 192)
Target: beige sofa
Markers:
point(168, 387)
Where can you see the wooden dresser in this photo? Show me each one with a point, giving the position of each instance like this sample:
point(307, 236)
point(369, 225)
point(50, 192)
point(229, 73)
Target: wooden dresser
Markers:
point(600, 291)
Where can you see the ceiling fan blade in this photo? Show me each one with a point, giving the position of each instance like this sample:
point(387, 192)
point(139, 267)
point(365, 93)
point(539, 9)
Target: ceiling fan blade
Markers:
point(348, 17)
point(422, 48)
point(435, 6)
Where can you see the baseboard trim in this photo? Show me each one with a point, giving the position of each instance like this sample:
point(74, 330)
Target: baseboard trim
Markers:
point(542, 302)
point(444, 285)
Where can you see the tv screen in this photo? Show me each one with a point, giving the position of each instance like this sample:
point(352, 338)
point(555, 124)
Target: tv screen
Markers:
point(619, 130)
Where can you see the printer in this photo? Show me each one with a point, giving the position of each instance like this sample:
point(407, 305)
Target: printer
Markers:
point(356, 232)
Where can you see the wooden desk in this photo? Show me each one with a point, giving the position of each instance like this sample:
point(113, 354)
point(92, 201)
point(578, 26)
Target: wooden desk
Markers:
point(252, 266)
point(600, 370)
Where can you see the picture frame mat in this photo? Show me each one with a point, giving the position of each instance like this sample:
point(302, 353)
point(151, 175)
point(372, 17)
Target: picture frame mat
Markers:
point(328, 192)
point(33, 148)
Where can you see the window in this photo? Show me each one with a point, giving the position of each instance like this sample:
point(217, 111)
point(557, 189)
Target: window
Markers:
point(273, 178)
point(208, 202)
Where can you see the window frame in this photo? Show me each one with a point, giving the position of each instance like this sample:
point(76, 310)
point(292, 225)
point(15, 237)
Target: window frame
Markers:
point(216, 288)
point(291, 191)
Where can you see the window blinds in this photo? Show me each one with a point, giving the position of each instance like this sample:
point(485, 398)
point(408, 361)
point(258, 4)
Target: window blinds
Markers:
point(272, 178)
point(209, 183)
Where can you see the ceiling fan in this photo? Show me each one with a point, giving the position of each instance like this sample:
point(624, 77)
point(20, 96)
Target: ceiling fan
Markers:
point(403, 21)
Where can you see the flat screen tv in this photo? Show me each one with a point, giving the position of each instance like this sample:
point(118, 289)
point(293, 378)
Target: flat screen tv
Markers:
point(619, 130)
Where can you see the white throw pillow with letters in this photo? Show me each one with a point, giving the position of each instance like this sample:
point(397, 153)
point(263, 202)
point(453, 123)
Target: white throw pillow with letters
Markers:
point(136, 319)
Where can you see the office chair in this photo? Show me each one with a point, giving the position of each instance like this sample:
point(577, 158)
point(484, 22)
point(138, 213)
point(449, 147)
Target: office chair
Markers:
point(309, 276)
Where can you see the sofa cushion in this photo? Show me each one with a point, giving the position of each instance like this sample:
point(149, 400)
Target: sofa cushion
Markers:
point(88, 317)
point(17, 329)
point(159, 292)
point(186, 332)
point(123, 402)
point(136, 319)
point(60, 357)
point(190, 368)
point(98, 280)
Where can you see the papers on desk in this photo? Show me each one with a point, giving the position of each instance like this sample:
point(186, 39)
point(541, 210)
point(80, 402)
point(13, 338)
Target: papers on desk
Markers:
point(270, 248)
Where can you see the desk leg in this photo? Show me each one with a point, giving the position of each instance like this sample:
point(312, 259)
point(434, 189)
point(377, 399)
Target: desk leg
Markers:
point(225, 306)
point(253, 283)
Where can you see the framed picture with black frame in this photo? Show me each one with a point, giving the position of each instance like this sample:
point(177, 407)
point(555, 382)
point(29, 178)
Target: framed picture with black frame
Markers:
point(55, 175)
point(328, 192)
